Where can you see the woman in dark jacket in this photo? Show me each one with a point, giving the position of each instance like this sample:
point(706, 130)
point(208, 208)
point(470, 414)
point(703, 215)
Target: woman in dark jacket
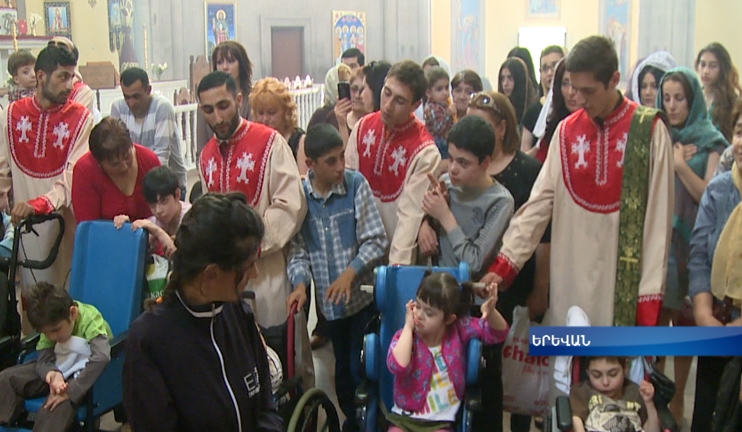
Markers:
point(196, 361)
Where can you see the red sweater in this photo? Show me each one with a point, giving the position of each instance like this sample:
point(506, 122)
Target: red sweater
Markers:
point(95, 196)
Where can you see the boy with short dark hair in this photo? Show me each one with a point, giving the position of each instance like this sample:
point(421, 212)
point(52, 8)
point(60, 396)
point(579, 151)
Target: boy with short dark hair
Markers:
point(340, 242)
point(161, 190)
point(608, 400)
point(438, 121)
point(476, 214)
point(21, 68)
point(73, 350)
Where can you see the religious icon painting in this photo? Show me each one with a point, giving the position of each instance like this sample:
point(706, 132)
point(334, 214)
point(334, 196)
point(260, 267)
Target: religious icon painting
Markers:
point(58, 19)
point(220, 24)
point(467, 39)
point(542, 9)
point(348, 31)
point(615, 23)
point(115, 25)
point(8, 16)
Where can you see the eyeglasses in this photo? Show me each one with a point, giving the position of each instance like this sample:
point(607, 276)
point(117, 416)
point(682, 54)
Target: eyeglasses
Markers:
point(484, 101)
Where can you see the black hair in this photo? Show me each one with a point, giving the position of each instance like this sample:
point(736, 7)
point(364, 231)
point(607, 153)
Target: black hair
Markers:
point(442, 291)
point(354, 52)
point(559, 110)
point(727, 86)
point(320, 140)
point(134, 74)
point(525, 55)
point(430, 61)
point(552, 49)
point(522, 94)
point(435, 74)
point(234, 50)
point(595, 54)
point(18, 60)
point(52, 57)
point(109, 139)
point(468, 76)
point(216, 79)
point(474, 135)
point(158, 183)
point(374, 74)
point(219, 229)
point(410, 74)
point(656, 73)
point(75, 52)
point(679, 77)
point(47, 305)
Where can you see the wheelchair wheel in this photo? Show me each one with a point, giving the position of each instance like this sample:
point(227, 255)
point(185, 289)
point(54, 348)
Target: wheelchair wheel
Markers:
point(306, 414)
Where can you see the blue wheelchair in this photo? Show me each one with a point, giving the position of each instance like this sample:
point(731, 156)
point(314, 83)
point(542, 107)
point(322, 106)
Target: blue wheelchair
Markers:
point(396, 285)
point(108, 273)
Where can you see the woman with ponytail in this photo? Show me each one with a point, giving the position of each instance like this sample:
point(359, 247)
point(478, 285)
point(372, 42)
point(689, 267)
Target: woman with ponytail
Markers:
point(196, 361)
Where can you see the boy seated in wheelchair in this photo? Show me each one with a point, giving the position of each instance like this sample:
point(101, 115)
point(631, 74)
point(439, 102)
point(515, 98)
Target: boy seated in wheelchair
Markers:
point(610, 401)
point(426, 357)
point(73, 350)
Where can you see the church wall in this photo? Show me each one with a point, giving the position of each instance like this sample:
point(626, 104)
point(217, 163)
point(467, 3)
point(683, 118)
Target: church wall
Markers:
point(89, 29)
point(718, 21)
point(396, 29)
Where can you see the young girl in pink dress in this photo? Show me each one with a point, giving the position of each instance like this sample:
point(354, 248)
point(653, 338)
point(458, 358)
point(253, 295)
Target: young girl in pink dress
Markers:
point(427, 356)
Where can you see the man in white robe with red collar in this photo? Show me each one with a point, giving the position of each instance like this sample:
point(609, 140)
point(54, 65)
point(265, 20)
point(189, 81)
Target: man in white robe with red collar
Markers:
point(394, 151)
point(254, 159)
point(607, 187)
point(42, 139)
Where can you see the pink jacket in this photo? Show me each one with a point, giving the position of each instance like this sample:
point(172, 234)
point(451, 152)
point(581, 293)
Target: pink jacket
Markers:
point(412, 383)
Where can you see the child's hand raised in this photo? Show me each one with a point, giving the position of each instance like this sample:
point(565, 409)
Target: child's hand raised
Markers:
point(409, 318)
point(646, 389)
point(488, 307)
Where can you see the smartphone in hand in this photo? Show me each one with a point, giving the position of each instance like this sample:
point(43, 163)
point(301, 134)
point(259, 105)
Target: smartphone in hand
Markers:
point(343, 90)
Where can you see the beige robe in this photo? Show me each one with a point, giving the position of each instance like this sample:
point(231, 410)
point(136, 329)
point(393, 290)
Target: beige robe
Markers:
point(58, 190)
point(403, 216)
point(584, 244)
point(283, 206)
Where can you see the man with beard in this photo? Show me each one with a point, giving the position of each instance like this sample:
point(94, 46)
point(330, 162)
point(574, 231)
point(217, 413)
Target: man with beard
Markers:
point(42, 139)
point(254, 159)
point(81, 92)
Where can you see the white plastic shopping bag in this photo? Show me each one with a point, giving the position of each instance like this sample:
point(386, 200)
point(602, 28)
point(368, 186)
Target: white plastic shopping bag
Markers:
point(525, 379)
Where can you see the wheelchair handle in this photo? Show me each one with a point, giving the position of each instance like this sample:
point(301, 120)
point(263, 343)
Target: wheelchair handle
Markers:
point(26, 226)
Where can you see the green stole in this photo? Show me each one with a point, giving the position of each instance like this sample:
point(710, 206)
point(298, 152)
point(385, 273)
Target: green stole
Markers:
point(634, 192)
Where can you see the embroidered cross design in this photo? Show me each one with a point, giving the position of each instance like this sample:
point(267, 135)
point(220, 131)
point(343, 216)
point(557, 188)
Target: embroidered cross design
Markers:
point(399, 160)
point(581, 147)
point(621, 147)
point(368, 141)
point(61, 130)
point(245, 163)
point(210, 169)
point(23, 127)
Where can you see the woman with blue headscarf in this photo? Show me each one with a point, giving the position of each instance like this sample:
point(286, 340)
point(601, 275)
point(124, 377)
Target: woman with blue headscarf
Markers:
point(681, 97)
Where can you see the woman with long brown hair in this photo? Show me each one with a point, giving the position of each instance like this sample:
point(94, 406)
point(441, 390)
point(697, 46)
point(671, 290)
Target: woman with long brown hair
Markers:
point(721, 88)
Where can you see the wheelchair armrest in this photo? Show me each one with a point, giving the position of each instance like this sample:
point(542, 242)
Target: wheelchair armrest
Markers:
point(29, 342)
point(563, 413)
point(473, 399)
point(118, 343)
point(364, 393)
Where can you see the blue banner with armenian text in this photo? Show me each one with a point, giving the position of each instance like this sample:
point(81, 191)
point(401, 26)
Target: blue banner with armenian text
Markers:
point(635, 341)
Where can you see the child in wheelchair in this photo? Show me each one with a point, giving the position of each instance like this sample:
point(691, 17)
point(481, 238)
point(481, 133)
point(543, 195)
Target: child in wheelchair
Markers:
point(608, 400)
point(426, 356)
point(72, 352)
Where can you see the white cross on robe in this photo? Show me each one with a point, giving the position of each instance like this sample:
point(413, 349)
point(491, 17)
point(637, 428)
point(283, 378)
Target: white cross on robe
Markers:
point(621, 147)
point(399, 160)
point(245, 163)
point(61, 130)
point(368, 141)
point(581, 147)
point(23, 126)
point(210, 169)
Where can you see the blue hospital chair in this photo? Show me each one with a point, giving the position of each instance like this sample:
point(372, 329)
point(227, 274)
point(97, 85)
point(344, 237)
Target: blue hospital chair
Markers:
point(396, 285)
point(108, 273)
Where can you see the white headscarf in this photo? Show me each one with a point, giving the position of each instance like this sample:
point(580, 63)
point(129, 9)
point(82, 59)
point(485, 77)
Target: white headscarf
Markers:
point(661, 60)
point(543, 116)
point(331, 86)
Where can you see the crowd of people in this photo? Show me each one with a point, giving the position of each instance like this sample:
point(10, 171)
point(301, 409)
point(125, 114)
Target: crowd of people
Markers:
point(411, 165)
